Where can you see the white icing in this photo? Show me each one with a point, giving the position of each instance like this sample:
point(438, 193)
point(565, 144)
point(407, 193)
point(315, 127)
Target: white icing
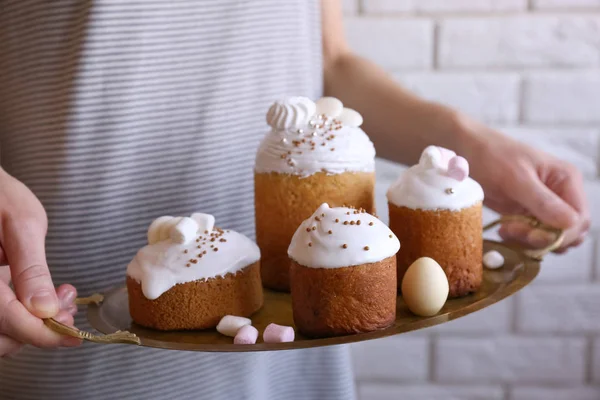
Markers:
point(290, 112)
point(321, 145)
point(365, 243)
point(427, 186)
point(162, 265)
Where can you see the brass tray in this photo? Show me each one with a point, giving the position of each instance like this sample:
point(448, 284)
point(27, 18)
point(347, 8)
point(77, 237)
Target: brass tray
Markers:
point(109, 314)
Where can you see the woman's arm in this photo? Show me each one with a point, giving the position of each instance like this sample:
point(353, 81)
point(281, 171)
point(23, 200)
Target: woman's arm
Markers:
point(399, 123)
point(516, 178)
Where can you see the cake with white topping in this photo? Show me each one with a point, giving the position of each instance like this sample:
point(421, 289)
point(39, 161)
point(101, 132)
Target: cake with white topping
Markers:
point(191, 274)
point(314, 153)
point(343, 273)
point(435, 210)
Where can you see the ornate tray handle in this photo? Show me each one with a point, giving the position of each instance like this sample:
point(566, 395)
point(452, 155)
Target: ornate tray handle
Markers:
point(122, 337)
point(536, 254)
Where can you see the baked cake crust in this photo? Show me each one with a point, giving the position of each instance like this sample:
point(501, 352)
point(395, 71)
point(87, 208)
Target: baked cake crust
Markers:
point(284, 201)
point(453, 238)
point(199, 304)
point(340, 301)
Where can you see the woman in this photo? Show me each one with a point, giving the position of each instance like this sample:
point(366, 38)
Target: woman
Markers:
point(112, 113)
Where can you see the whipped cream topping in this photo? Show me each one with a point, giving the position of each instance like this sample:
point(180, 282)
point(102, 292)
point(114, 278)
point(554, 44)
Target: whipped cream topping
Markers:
point(341, 237)
point(163, 264)
point(430, 185)
point(290, 113)
point(321, 143)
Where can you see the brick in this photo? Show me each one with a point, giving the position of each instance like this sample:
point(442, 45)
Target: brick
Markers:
point(371, 391)
point(577, 146)
point(562, 97)
point(520, 41)
point(555, 393)
point(441, 6)
point(493, 320)
point(509, 359)
point(392, 43)
point(350, 7)
point(565, 4)
point(574, 266)
point(559, 309)
point(388, 6)
point(399, 358)
point(490, 97)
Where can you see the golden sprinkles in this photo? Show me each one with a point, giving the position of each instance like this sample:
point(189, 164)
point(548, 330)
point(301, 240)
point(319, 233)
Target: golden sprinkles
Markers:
point(366, 248)
point(344, 246)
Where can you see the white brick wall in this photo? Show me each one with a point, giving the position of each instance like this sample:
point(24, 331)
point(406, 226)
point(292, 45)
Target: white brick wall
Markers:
point(529, 68)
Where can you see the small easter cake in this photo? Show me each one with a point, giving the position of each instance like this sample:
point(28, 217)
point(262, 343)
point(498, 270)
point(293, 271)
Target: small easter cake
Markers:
point(314, 153)
point(343, 273)
point(192, 274)
point(435, 210)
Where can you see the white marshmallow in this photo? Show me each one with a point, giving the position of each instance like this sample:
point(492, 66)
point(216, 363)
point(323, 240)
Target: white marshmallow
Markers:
point(206, 222)
point(246, 335)
point(350, 118)
point(167, 226)
point(330, 106)
point(230, 325)
point(493, 259)
point(155, 227)
point(278, 334)
point(185, 231)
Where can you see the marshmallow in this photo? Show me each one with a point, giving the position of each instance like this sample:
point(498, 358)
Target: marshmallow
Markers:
point(436, 157)
point(155, 227)
point(206, 222)
point(167, 226)
point(291, 112)
point(278, 334)
point(185, 231)
point(493, 259)
point(230, 325)
point(350, 118)
point(330, 106)
point(458, 168)
point(246, 335)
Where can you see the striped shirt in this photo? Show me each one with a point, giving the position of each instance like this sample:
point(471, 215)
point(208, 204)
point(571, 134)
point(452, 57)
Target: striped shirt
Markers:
point(115, 112)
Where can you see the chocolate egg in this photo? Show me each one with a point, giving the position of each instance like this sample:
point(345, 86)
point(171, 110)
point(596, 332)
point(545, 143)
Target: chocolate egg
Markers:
point(425, 287)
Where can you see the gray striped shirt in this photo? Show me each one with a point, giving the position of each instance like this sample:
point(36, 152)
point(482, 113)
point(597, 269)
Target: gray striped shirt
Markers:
point(115, 112)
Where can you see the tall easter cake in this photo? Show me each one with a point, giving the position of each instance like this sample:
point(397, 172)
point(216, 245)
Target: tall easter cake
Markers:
point(343, 273)
point(191, 274)
point(314, 153)
point(435, 210)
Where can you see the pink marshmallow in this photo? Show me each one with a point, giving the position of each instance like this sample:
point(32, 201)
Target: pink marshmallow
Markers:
point(246, 335)
point(278, 334)
point(447, 155)
point(458, 168)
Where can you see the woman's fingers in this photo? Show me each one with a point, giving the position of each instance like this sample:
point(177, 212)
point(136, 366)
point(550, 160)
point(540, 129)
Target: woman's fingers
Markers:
point(66, 296)
point(18, 323)
point(8, 346)
point(544, 204)
point(23, 243)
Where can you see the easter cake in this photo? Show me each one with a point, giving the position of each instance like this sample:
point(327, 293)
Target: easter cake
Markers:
point(343, 273)
point(435, 210)
point(313, 153)
point(191, 274)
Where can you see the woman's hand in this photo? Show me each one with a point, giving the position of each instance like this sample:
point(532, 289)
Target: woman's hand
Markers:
point(23, 227)
point(518, 179)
